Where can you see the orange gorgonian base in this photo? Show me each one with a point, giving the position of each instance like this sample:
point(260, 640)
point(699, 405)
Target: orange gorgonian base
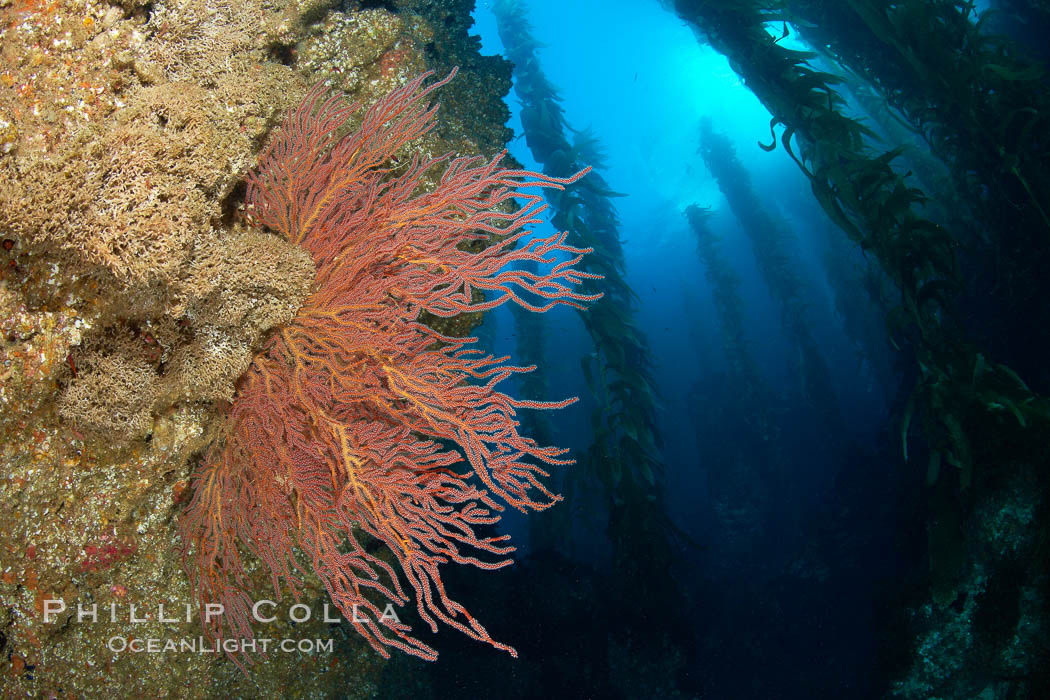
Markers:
point(357, 423)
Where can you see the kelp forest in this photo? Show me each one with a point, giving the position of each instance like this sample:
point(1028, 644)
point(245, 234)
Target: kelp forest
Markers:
point(920, 130)
point(601, 349)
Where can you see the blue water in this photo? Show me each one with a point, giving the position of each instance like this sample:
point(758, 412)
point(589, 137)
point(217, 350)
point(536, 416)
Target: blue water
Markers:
point(811, 624)
point(646, 113)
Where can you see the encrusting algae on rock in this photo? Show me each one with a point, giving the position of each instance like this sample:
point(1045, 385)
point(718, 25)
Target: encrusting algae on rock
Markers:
point(132, 296)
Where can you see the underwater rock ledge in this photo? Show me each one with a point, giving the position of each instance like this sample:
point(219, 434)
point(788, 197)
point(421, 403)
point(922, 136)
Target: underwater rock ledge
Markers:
point(133, 295)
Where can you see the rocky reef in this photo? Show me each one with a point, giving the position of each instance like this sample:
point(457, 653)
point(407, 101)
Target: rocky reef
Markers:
point(133, 295)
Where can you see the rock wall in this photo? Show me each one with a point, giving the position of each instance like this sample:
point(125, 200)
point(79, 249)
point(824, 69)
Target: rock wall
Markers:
point(133, 295)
